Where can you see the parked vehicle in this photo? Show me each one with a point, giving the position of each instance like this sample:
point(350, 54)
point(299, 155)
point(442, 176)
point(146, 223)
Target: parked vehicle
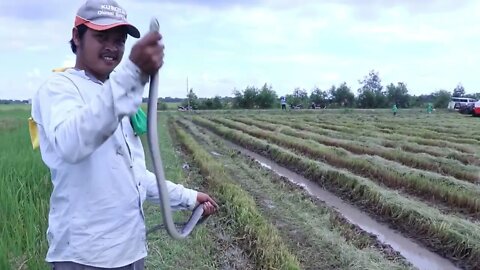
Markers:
point(466, 108)
point(476, 109)
point(457, 102)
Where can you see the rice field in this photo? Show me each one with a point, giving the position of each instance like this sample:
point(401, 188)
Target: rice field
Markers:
point(417, 175)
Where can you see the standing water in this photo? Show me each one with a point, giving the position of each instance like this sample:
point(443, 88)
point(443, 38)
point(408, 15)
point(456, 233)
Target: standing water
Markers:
point(417, 255)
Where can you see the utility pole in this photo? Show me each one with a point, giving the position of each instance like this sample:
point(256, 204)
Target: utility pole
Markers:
point(188, 96)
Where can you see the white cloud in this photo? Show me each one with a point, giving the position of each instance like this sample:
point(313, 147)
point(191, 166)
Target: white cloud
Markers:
point(223, 45)
point(18, 34)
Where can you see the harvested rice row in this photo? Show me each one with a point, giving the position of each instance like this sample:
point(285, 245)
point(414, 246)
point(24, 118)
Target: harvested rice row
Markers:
point(459, 171)
point(319, 236)
point(404, 126)
point(457, 195)
point(403, 132)
point(261, 237)
point(365, 131)
point(467, 159)
point(453, 237)
point(402, 136)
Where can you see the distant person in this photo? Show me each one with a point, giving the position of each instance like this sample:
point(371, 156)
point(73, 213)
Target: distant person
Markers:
point(394, 109)
point(313, 105)
point(429, 108)
point(283, 101)
point(96, 159)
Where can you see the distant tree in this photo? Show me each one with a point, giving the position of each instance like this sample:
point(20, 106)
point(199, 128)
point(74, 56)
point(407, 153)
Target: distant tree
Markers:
point(474, 96)
point(205, 104)
point(217, 103)
point(299, 97)
point(441, 98)
point(398, 95)
point(237, 101)
point(162, 106)
point(249, 97)
point(266, 97)
point(459, 91)
point(191, 100)
point(246, 99)
point(343, 95)
point(371, 94)
point(366, 99)
point(421, 100)
point(319, 97)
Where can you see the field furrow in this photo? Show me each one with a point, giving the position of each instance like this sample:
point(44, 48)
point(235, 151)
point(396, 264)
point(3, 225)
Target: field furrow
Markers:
point(386, 141)
point(451, 236)
point(319, 237)
point(458, 170)
point(458, 196)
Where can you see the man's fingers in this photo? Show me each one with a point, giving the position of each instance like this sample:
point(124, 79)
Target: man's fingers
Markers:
point(213, 202)
point(208, 208)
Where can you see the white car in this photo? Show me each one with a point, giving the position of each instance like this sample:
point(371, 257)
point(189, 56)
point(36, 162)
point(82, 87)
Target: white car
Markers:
point(458, 102)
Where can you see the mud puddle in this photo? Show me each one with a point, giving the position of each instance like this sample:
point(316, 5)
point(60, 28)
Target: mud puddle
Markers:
point(417, 255)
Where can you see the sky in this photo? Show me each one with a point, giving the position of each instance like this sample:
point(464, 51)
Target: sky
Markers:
point(225, 45)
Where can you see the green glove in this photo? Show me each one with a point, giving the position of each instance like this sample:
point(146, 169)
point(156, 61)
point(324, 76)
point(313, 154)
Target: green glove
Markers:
point(139, 122)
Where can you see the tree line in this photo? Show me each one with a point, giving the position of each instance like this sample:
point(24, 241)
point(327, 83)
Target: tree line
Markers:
point(371, 94)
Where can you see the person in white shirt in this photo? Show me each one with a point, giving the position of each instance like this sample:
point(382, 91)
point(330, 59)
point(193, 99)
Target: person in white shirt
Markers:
point(96, 160)
point(284, 103)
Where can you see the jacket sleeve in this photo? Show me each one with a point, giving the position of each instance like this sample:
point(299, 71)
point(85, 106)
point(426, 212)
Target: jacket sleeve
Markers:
point(74, 128)
point(180, 197)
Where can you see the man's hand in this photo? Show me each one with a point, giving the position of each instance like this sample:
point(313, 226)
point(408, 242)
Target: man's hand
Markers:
point(209, 205)
point(148, 54)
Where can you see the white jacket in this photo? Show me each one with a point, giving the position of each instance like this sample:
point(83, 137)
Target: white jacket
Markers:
point(97, 166)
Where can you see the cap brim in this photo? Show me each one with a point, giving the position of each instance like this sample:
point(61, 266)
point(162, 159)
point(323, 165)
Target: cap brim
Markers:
point(131, 30)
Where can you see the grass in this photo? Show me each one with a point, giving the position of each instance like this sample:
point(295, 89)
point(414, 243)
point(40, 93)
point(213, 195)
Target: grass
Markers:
point(24, 195)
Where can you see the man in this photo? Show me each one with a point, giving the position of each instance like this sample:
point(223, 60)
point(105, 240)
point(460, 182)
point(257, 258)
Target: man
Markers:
point(97, 162)
point(394, 109)
point(283, 101)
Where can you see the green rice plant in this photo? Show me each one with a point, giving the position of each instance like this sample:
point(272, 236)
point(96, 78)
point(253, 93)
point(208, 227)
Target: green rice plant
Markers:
point(24, 195)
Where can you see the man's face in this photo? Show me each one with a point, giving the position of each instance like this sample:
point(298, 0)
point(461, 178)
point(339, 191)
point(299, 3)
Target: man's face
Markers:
point(101, 51)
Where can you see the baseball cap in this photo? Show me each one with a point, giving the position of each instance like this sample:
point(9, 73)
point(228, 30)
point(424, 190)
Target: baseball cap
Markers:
point(102, 15)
